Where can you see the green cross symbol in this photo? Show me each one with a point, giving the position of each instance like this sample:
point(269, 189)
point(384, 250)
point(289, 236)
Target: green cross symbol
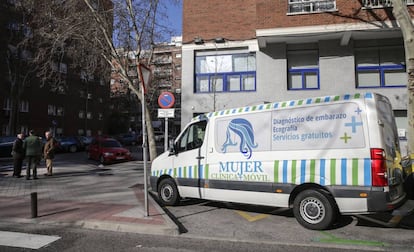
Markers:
point(345, 138)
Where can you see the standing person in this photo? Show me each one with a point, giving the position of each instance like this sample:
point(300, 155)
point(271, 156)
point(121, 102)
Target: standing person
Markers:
point(18, 153)
point(33, 147)
point(49, 152)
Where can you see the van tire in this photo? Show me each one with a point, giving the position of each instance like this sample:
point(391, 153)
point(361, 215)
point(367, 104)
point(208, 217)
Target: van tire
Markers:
point(315, 209)
point(168, 192)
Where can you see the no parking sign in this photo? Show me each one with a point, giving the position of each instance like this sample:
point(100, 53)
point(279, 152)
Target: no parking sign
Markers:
point(166, 100)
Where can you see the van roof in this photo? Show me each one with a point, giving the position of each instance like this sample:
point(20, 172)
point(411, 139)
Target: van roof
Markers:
point(286, 104)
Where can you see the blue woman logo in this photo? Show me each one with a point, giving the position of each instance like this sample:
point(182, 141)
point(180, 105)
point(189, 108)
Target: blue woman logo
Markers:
point(244, 130)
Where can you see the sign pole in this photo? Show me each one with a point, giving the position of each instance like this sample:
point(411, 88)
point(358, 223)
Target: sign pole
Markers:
point(166, 135)
point(144, 74)
point(144, 150)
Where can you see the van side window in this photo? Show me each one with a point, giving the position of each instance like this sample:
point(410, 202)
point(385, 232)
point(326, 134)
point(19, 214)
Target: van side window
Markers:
point(193, 137)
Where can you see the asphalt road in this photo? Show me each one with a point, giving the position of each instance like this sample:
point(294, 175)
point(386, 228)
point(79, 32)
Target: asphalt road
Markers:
point(221, 226)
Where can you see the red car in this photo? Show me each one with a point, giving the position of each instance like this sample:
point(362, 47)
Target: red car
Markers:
point(108, 150)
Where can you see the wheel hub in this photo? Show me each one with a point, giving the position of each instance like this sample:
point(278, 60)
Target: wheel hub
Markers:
point(312, 210)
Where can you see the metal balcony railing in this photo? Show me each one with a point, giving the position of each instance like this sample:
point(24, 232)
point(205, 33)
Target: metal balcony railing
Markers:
point(381, 3)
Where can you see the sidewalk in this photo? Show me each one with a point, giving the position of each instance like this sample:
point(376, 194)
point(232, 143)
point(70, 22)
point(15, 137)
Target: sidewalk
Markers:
point(87, 196)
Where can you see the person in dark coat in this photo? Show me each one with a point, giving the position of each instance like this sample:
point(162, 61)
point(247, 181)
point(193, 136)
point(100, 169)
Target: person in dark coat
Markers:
point(33, 146)
point(18, 154)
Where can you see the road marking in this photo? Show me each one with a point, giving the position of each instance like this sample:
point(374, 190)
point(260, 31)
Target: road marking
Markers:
point(24, 240)
point(333, 239)
point(251, 218)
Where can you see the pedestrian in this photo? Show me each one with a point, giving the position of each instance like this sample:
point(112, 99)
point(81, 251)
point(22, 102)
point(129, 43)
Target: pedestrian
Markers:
point(18, 154)
point(49, 152)
point(33, 147)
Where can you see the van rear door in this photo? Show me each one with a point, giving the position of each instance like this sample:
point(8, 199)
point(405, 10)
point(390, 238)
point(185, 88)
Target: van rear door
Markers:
point(391, 147)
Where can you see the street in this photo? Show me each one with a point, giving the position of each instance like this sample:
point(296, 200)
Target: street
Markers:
point(203, 225)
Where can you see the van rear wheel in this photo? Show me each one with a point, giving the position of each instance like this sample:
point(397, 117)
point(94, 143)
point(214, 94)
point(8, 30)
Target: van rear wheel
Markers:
point(168, 192)
point(315, 209)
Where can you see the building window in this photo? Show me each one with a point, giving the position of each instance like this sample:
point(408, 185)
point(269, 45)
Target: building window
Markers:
point(311, 6)
point(51, 110)
point(81, 114)
point(5, 130)
point(60, 111)
point(24, 106)
point(380, 67)
point(303, 70)
point(100, 116)
point(225, 73)
point(7, 104)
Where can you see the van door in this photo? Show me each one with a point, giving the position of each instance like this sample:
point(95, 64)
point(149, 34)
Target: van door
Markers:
point(392, 148)
point(190, 151)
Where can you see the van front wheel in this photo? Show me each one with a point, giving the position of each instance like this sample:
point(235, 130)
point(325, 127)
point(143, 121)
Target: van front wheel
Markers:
point(168, 192)
point(315, 209)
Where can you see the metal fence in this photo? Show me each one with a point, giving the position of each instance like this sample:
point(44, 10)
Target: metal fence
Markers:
point(381, 3)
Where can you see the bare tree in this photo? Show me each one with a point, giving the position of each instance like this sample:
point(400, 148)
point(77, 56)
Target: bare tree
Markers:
point(403, 17)
point(136, 28)
point(93, 35)
point(17, 59)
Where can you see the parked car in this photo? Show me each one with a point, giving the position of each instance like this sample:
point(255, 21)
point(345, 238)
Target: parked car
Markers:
point(108, 150)
point(129, 139)
point(6, 145)
point(69, 144)
point(85, 140)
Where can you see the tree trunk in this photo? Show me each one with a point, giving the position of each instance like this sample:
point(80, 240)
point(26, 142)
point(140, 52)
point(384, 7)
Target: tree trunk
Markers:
point(150, 131)
point(400, 12)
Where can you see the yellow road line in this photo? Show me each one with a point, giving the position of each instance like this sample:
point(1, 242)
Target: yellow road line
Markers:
point(251, 218)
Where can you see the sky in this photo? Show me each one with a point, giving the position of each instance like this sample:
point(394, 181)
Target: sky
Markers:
point(175, 18)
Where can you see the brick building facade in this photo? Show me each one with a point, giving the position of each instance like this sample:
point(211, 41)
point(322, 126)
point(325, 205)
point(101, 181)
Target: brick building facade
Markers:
point(77, 107)
point(240, 52)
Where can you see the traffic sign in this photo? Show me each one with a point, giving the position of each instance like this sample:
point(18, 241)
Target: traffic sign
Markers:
point(166, 100)
point(166, 113)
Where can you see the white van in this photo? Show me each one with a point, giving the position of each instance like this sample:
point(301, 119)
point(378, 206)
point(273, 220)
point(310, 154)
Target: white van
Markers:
point(320, 156)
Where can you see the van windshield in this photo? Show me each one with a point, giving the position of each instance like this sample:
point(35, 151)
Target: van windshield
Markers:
point(193, 137)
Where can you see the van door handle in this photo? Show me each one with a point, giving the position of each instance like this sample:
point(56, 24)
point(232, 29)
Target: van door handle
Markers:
point(199, 157)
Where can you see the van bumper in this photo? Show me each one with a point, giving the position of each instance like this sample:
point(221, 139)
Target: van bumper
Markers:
point(380, 201)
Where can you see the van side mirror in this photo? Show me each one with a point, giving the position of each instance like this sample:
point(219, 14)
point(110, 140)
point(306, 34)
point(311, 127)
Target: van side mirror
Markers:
point(172, 148)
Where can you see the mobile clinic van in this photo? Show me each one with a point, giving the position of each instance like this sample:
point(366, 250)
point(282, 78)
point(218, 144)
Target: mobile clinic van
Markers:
point(320, 156)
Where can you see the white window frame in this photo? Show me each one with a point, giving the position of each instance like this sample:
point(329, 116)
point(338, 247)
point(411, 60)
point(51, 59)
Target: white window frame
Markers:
point(301, 75)
point(380, 73)
point(311, 6)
